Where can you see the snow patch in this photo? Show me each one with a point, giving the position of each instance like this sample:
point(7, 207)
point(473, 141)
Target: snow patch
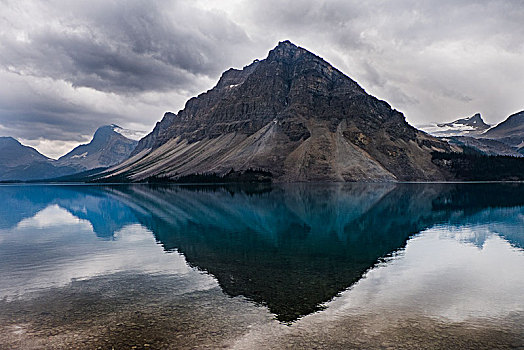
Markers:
point(130, 134)
point(83, 155)
point(454, 129)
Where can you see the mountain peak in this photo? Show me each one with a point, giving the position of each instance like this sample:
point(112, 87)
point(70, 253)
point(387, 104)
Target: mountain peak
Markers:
point(476, 116)
point(108, 147)
point(468, 126)
point(287, 50)
point(104, 132)
point(476, 120)
point(287, 44)
point(8, 140)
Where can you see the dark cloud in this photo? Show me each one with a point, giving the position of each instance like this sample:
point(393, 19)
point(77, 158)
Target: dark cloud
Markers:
point(33, 108)
point(68, 67)
point(53, 121)
point(126, 46)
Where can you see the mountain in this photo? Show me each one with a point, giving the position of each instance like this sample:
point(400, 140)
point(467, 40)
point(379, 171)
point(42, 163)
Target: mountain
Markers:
point(510, 131)
point(19, 162)
point(108, 147)
point(22, 163)
point(484, 146)
point(13, 153)
point(290, 117)
point(506, 139)
point(471, 126)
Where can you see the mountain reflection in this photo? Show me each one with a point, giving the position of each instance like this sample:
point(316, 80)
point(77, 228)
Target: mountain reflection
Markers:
point(290, 247)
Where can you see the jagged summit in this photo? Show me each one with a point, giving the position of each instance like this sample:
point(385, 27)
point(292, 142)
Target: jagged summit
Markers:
point(108, 147)
point(286, 50)
point(292, 115)
point(286, 43)
point(476, 118)
point(104, 132)
point(476, 122)
point(469, 126)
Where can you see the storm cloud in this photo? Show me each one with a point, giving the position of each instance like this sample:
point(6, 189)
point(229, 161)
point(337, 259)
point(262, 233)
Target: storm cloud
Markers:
point(68, 67)
point(122, 46)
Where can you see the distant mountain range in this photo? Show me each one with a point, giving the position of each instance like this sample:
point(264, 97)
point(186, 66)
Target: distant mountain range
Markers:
point(470, 126)
point(108, 147)
point(506, 138)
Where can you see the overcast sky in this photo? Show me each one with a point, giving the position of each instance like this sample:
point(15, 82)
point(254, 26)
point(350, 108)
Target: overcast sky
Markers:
point(67, 67)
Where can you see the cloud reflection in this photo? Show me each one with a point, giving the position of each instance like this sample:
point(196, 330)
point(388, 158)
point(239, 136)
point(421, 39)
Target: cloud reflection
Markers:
point(53, 248)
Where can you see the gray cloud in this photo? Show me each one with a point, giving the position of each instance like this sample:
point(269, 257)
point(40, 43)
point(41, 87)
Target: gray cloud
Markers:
point(68, 67)
point(125, 46)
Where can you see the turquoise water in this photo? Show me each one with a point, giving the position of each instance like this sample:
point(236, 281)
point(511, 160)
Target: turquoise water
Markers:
point(262, 266)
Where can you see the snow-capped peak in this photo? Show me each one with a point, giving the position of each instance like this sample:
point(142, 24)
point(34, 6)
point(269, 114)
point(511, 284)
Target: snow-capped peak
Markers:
point(469, 126)
point(130, 134)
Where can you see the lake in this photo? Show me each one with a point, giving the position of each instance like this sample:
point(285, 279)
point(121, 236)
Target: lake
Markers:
point(262, 267)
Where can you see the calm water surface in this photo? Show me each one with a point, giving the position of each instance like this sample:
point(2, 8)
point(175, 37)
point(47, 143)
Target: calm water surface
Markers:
point(292, 266)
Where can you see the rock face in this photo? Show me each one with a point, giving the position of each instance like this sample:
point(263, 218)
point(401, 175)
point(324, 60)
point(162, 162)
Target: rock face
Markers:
point(292, 115)
point(510, 131)
point(107, 148)
point(19, 162)
point(471, 126)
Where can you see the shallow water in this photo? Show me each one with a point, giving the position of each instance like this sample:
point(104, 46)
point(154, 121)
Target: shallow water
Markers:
point(291, 266)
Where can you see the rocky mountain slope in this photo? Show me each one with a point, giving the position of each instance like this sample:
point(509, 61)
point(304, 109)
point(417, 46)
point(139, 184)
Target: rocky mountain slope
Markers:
point(510, 131)
point(19, 162)
point(471, 126)
point(108, 147)
point(293, 116)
